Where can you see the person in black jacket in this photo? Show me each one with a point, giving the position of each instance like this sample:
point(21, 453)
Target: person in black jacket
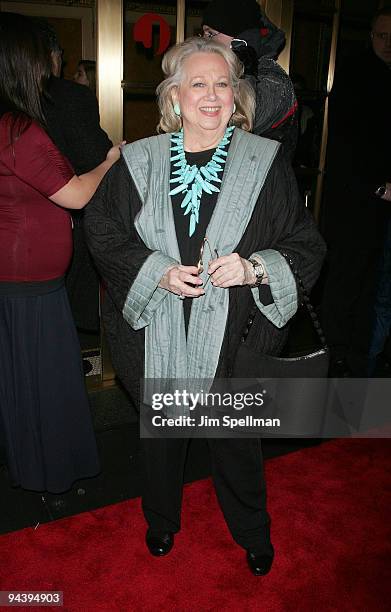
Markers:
point(86, 74)
point(72, 116)
point(356, 205)
point(184, 266)
point(257, 42)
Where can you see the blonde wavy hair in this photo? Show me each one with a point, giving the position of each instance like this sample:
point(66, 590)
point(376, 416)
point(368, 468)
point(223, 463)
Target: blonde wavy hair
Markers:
point(173, 70)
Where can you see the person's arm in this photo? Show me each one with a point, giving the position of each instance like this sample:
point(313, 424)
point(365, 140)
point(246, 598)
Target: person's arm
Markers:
point(35, 160)
point(291, 230)
point(131, 271)
point(115, 246)
point(80, 189)
point(294, 230)
point(293, 233)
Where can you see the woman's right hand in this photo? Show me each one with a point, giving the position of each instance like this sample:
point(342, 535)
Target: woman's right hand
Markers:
point(179, 279)
point(114, 153)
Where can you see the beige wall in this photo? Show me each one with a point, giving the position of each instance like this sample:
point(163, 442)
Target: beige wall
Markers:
point(84, 15)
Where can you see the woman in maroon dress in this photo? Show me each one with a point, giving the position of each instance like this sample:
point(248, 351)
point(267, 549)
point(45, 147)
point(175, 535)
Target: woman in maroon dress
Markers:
point(45, 422)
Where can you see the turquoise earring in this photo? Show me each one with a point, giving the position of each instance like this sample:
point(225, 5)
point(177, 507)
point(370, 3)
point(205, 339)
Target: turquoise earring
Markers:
point(177, 109)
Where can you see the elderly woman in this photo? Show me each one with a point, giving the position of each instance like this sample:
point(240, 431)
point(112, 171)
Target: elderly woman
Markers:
point(257, 42)
point(207, 176)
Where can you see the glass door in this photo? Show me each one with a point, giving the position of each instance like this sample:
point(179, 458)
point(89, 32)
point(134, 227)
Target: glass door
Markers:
point(314, 31)
point(148, 30)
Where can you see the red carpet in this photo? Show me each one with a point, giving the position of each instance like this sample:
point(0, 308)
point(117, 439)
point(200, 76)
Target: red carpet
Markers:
point(330, 508)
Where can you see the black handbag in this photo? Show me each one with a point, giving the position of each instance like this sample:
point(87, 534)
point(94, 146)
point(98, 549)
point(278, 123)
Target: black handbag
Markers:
point(296, 386)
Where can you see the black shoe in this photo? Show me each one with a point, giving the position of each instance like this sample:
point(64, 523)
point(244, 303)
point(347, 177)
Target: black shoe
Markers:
point(159, 544)
point(259, 564)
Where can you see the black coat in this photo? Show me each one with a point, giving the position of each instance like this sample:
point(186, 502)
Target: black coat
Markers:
point(276, 106)
point(280, 221)
point(276, 114)
point(358, 155)
point(72, 117)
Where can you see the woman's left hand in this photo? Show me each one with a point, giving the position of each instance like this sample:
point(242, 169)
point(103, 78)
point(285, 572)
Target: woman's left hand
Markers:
point(231, 270)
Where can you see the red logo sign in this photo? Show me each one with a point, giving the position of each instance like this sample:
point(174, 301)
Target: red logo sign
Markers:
point(143, 31)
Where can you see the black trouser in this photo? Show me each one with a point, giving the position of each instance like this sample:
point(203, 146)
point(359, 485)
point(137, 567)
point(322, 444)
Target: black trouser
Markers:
point(347, 305)
point(237, 471)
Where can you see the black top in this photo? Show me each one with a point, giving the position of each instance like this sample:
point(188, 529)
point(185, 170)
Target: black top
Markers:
point(189, 247)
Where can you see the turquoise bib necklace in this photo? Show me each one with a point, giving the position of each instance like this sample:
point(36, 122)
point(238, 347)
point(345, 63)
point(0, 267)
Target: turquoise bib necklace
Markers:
point(192, 181)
